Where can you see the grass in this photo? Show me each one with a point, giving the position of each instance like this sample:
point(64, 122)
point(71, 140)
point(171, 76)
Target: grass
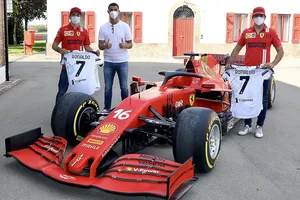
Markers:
point(19, 49)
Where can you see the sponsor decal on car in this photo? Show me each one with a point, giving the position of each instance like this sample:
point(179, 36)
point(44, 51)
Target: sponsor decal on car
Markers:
point(145, 170)
point(99, 137)
point(93, 141)
point(89, 146)
point(77, 160)
point(192, 99)
point(108, 128)
point(110, 146)
point(64, 176)
point(179, 104)
point(152, 157)
point(148, 162)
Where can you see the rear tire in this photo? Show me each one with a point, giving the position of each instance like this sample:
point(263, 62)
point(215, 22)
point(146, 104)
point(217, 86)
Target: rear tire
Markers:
point(71, 116)
point(272, 92)
point(198, 134)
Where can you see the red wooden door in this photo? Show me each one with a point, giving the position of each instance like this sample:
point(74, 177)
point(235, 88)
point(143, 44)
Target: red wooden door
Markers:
point(183, 36)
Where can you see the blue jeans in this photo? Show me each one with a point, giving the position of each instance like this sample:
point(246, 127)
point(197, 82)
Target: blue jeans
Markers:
point(63, 84)
point(263, 113)
point(109, 72)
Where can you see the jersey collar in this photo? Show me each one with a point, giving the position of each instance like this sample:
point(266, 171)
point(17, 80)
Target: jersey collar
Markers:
point(71, 27)
point(264, 29)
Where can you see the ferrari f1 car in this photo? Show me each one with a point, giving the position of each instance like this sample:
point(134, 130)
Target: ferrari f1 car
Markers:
point(189, 109)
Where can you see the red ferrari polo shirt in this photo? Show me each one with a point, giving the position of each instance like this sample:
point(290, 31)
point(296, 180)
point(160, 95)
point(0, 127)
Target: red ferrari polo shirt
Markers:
point(258, 45)
point(71, 38)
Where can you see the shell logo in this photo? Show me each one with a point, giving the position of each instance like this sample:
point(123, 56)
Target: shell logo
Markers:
point(129, 168)
point(108, 128)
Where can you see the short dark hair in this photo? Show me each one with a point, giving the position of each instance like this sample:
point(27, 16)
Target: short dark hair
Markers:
point(113, 4)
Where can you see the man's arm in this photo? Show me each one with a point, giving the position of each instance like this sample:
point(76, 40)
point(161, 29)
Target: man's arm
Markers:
point(278, 57)
point(57, 40)
point(101, 45)
point(129, 44)
point(235, 52)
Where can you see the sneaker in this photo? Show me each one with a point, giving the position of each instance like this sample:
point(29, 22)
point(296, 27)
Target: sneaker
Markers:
point(104, 111)
point(259, 132)
point(246, 129)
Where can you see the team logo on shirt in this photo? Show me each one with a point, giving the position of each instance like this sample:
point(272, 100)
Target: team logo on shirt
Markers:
point(261, 35)
point(68, 33)
point(78, 33)
point(250, 35)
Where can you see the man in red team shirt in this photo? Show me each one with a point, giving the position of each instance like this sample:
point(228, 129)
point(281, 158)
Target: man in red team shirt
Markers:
point(72, 37)
point(258, 40)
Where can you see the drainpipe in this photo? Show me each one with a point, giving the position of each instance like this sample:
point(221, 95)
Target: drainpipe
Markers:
point(6, 41)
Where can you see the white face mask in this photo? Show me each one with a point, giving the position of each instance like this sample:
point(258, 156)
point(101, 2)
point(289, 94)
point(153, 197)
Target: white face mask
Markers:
point(75, 20)
point(113, 14)
point(259, 20)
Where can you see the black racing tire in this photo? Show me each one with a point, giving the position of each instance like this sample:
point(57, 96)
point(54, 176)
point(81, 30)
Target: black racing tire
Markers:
point(272, 92)
point(70, 116)
point(193, 137)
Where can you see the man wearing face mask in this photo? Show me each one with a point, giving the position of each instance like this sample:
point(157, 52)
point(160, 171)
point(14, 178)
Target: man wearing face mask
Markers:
point(258, 40)
point(72, 37)
point(115, 39)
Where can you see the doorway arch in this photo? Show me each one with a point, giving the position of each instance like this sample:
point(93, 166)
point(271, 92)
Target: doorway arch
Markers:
point(183, 30)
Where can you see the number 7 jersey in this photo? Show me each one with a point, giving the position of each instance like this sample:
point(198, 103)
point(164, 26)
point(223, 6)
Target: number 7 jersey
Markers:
point(82, 71)
point(247, 90)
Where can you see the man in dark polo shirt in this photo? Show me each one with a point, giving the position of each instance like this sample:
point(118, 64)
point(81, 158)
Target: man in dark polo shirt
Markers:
point(72, 37)
point(258, 40)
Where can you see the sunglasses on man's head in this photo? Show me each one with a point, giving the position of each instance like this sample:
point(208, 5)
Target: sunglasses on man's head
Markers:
point(112, 29)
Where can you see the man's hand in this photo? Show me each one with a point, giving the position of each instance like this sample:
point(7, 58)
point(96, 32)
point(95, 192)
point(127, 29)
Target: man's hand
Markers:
point(98, 52)
point(268, 65)
point(228, 66)
point(123, 45)
point(108, 45)
point(62, 51)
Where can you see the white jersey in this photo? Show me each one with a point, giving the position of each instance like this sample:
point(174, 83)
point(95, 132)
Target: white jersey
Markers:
point(115, 34)
point(82, 71)
point(247, 90)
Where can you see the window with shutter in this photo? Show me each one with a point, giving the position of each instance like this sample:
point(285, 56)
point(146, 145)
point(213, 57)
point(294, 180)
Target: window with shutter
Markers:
point(64, 18)
point(229, 27)
point(296, 29)
point(90, 25)
point(138, 28)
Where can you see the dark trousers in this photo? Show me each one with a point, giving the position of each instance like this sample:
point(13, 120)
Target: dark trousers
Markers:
point(109, 71)
point(63, 84)
point(263, 113)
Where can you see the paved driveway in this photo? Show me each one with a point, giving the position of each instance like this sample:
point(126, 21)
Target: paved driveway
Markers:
point(248, 168)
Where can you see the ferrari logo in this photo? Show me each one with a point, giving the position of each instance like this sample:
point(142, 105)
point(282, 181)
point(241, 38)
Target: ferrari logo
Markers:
point(261, 35)
point(192, 99)
point(78, 33)
point(108, 128)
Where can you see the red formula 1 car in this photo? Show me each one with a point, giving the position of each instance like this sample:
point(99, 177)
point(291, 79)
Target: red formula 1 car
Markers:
point(189, 109)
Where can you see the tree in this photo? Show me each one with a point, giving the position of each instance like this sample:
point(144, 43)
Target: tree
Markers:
point(27, 10)
point(32, 9)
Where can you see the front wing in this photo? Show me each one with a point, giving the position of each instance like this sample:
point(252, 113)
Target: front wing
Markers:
point(131, 174)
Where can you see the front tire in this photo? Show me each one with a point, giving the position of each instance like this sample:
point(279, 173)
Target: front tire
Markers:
point(72, 116)
point(198, 134)
point(272, 92)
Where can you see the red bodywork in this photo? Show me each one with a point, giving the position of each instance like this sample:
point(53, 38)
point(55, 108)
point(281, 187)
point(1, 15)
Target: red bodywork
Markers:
point(132, 173)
